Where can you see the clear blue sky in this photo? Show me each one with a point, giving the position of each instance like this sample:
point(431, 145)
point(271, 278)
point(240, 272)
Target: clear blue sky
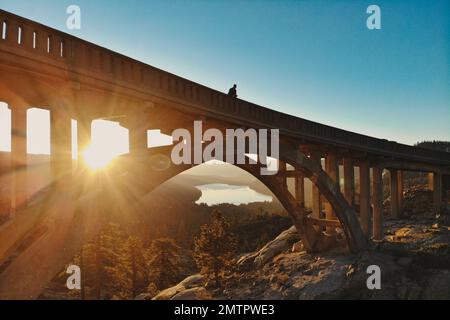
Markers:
point(313, 59)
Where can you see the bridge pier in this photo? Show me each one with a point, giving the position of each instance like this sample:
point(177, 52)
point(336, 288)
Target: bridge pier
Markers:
point(300, 189)
point(364, 197)
point(395, 202)
point(430, 180)
point(437, 192)
point(61, 150)
point(282, 168)
point(377, 201)
point(137, 125)
point(84, 128)
point(332, 168)
point(400, 191)
point(316, 203)
point(5, 195)
point(349, 181)
point(19, 188)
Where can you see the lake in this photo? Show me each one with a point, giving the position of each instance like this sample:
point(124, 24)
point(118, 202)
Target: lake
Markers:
point(219, 193)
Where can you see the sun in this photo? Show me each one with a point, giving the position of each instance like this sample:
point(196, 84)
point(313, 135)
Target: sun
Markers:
point(98, 158)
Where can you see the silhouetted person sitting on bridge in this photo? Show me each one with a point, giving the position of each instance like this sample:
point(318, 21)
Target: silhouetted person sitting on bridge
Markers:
point(233, 92)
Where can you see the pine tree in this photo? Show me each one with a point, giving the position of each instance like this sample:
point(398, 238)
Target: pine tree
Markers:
point(164, 262)
point(114, 266)
point(133, 267)
point(111, 281)
point(101, 274)
point(215, 247)
point(86, 260)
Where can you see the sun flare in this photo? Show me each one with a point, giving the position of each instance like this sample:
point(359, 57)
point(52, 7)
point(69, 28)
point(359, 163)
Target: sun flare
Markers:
point(96, 158)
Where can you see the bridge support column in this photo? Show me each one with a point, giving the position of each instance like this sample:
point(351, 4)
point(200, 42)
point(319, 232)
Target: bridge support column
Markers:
point(300, 189)
point(332, 168)
point(282, 168)
point(364, 197)
point(395, 203)
point(137, 127)
point(400, 191)
point(19, 187)
point(61, 150)
point(377, 200)
point(430, 181)
point(84, 128)
point(316, 203)
point(437, 192)
point(5, 195)
point(349, 181)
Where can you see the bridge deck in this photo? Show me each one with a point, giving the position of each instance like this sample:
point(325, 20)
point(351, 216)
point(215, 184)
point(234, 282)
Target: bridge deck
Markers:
point(77, 60)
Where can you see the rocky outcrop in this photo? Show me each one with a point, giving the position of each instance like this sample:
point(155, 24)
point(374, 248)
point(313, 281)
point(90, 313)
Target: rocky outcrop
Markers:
point(197, 293)
point(280, 244)
point(414, 260)
point(143, 296)
point(182, 291)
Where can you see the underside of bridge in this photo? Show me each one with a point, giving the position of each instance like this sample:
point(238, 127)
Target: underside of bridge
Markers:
point(78, 80)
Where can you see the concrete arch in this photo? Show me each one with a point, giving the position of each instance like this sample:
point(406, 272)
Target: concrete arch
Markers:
point(132, 176)
point(140, 176)
point(297, 214)
point(345, 213)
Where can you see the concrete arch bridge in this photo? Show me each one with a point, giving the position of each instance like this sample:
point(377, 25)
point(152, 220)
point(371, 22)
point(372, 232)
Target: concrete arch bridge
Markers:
point(74, 79)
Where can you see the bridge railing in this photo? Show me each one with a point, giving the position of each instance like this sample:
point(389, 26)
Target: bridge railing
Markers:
point(70, 52)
